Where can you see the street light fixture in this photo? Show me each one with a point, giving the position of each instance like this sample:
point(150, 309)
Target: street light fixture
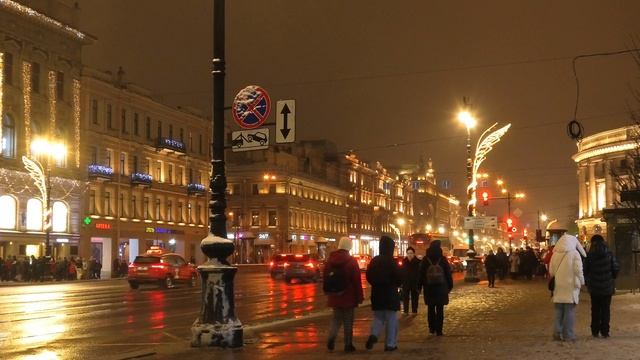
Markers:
point(544, 217)
point(500, 182)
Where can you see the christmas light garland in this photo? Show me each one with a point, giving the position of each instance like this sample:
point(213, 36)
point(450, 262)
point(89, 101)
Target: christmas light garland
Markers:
point(26, 96)
point(76, 118)
point(1, 95)
point(52, 104)
point(27, 11)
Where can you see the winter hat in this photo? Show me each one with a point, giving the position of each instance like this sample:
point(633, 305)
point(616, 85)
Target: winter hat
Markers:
point(597, 238)
point(345, 243)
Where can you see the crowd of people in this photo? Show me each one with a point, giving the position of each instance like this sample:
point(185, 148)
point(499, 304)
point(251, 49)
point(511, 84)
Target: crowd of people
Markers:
point(393, 285)
point(37, 269)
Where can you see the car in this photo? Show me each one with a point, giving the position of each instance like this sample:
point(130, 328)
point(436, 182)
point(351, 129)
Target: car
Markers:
point(258, 137)
point(363, 261)
point(456, 263)
point(164, 269)
point(301, 267)
point(276, 266)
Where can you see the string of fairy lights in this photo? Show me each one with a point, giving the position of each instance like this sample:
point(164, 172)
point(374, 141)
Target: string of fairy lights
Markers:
point(76, 119)
point(52, 104)
point(1, 94)
point(26, 91)
point(29, 12)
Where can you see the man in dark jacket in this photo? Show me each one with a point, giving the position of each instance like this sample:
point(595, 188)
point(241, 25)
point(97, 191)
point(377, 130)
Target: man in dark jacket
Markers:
point(383, 274)
point(344, 302)
point(436, 291)
point(600, 272)
point(410, 270)
point(491, 265)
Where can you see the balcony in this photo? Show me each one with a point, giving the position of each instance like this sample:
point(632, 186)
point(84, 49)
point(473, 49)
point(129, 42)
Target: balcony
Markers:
point(168, 145)
point(196, 189)
point(100, 172)
point(141, 179)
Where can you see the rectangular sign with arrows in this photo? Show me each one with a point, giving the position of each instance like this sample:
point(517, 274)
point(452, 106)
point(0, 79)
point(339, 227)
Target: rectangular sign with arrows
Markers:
point(285, 121)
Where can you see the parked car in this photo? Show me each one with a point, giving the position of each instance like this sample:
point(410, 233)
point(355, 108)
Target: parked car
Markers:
point(301, 267)
point(164, 269)
point(363, 261)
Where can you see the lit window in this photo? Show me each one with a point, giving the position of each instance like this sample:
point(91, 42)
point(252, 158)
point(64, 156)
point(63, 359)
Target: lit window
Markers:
point(8, 206)
point(60, 216)
point(34, 214)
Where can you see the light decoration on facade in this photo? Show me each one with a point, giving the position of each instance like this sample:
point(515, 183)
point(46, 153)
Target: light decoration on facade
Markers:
point(76, 119)
point(96, 169)
point(195, 188)
point(618, 148)
point(141, 178)
point(172, 144)
point(27, 11)
point(484, 146)
point(52, 104)
point(26, 97)
point(1, 93)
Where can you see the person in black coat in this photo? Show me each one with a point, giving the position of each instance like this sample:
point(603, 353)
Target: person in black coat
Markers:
point(600, 272)
point(384, 276)
point(491, 265)
point(436, 289)
point(410, 271)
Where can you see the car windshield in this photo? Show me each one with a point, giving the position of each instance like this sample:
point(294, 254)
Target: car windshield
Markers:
point(146, 259)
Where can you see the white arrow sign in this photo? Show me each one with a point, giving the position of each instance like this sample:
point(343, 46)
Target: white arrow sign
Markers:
point(245, 140)
point(285, 121)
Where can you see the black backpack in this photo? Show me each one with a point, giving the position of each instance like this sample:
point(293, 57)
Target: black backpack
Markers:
point(435, 273)
point(335, 280)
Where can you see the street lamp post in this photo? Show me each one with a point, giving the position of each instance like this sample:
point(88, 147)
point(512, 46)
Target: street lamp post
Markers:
point(217, 324)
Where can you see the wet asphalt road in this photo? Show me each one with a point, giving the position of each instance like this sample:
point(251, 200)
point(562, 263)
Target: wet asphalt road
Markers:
point(102, 319)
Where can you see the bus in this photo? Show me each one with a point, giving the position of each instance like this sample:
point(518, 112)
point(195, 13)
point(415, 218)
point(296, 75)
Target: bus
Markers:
point(421, 241)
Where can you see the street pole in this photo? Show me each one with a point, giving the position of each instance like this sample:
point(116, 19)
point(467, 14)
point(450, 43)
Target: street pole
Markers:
point(472, 264)
point(47, 250)
point(217, 324)
point(510, 235)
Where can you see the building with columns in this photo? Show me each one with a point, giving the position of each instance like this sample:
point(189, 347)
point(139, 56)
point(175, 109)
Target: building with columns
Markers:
point(597, 156)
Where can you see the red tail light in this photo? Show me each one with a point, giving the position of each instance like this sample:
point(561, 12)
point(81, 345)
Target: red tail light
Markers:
point(159, 266)
point(362, 260)
point(400, 263)
point(271, 264)
point(131, 266)
point(310, 265)
point(285, 264)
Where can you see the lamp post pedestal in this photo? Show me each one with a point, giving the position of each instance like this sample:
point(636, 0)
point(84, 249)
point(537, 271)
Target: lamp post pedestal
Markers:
point(473, 268)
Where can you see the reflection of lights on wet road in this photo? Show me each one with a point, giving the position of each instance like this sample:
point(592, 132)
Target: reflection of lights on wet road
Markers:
point(45, 355)
point(157, 317)
point(43, 329)
point(40, 302)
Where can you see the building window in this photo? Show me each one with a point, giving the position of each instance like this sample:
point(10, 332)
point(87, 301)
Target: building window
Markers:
point(189, 213)
point(198, 214)
point(190, 141)
point(94, 111)
point(8, 137)
point(8, 206)
point(272, 218)
point(121, 205)
point(124, 121)
point(136, 124)
point(108, 158)
point(190, 176)
point(123, 163)
point(92, 202)
point(255, 218)
point(8, 68)
point(170, 131)
point(200, 144)
point(109, 118)
point(169, 210)
point(180, 175)
point(135, 163)
point(254, 189)
point(60, 85)
point(170, 173)
point(272, 188)
point(60, 217)
point(35, 78)
point(34, 215)
point(182, 135)
point(159, 129)
point(107, 203)
point(147, 214)
point(134, 206)
point(180, 214)
point(147, 128)
point(157, 217)
point(158, 175)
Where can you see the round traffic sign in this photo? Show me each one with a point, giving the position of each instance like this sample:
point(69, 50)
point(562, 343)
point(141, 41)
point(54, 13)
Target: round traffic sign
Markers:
point(251, 107)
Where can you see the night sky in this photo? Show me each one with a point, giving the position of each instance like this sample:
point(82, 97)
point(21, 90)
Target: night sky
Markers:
point(367, 74)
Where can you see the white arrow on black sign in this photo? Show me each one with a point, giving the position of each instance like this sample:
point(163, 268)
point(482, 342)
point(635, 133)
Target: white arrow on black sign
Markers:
point(285, 121)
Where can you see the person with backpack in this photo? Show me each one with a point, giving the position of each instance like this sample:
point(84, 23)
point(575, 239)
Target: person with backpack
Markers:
point(600, 272)
point(410, 269)
point(343, 287)
point(383, 273)
point(436, 280)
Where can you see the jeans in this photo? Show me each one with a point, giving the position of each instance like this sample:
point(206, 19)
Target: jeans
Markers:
point(435, 318)
point(412, 294)
point(600, 314)
point(565, 318)
point(390, 318)
point(342, 316)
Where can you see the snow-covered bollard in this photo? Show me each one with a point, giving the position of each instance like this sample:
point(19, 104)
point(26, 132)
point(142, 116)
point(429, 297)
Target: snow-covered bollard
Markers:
point(217, 324)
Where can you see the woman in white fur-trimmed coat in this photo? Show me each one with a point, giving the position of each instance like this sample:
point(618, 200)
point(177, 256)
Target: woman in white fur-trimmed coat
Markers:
point(566, 267)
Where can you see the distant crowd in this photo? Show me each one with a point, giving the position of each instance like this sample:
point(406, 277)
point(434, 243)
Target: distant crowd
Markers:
point(32, 269)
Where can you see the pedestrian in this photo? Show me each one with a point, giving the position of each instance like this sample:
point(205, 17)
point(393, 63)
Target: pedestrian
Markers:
point(115, 271)
point(514, 262)
point(98, 270)
point(491, 265)
point(410, 272)
point(503, 263)
point(343, 286)
point(436, 281)
point(384, 276)
point(529, 263)
point(79, 268)
point(92, 268)
point(600, 272)
point(72, 271)
point(566, 273)
point(547, 259)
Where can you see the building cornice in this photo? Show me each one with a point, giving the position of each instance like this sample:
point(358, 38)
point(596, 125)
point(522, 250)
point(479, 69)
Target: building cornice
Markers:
point(604, 150)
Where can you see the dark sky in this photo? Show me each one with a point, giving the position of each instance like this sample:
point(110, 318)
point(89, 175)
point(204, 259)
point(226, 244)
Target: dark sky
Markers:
point(367, 74)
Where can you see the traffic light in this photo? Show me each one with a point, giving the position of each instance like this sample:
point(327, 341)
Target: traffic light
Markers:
point(509, 225)
point(485, 198)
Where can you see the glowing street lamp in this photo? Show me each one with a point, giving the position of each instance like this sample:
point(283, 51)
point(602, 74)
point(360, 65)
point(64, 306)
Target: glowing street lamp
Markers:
point(500, 182)
point(544, 217)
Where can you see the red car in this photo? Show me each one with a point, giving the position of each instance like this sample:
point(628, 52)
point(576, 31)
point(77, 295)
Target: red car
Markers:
point(162, 269)
point(363, 261)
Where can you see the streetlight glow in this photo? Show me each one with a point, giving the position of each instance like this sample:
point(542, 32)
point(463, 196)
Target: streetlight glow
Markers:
point(400, 221)
point(467, 119)
point(520, 196)
point(504, 191)
point(44, 147)
point(543, 217)
point(428, 227)
point(500, 182)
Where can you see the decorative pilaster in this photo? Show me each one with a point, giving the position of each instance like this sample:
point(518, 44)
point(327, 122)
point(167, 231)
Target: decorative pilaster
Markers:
point(609, 185)
point(593, 191)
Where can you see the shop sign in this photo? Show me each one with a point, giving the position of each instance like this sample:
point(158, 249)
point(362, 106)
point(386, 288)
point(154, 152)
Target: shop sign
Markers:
point(263, 236)
point(103, 226)
point(163, 231)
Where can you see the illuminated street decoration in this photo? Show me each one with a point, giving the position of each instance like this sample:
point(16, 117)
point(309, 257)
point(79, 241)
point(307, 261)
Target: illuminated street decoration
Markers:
point(52, 104)
point(101, 170)
point(26, 93)
point(1, 91)
point(27, 11)
point(8, 206)
point(76, 119)
point(484, 146)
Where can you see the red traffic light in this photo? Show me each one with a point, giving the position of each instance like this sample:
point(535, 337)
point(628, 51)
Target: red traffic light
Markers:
point(485, 198)
point(514, 229)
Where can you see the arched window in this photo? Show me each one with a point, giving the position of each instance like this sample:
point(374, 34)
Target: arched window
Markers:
point(60, 216)
point(8, 206)
point(8, 137)
point(34, 214)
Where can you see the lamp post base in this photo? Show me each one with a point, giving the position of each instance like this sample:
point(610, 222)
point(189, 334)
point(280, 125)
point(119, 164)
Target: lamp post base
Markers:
point(217, 324)
point(473, 265)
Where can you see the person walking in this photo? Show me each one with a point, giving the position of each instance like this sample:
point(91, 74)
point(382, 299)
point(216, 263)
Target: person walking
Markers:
point(514, 262)
point(410, 270)
point(566, 271)
point(503, 263)
point(436, 280)
point(491, 265)
point(600, 272)
point(343, 286)
point(384, 276)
